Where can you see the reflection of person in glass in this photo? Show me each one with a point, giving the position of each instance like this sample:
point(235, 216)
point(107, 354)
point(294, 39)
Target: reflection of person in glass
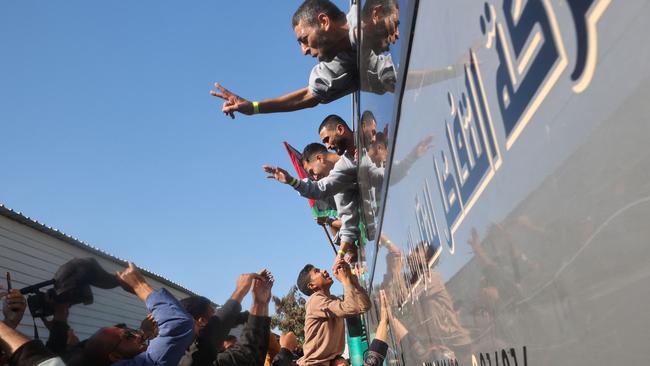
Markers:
point(380, 29)
point(368, 128)
point(378, 152)
point(324, 32)
point(500, 291)
point(433, 309)
point(380, 24)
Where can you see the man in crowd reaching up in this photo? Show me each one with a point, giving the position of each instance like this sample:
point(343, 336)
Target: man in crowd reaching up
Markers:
point(324, 32)
point(213, 327)
point(325, 313)
point(124, 346)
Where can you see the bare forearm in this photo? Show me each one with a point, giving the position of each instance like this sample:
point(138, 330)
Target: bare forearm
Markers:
point(10, 340)
point(399, 330)
point(238, 295)
point(382, 331)
point(299, 99)
point(355, 300)
point(260, 309)
point(142, 291)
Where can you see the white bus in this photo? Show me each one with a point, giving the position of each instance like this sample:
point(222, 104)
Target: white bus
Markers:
point(512, 227)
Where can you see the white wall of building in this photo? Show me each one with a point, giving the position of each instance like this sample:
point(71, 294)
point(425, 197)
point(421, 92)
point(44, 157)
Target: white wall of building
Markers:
point(32, 256)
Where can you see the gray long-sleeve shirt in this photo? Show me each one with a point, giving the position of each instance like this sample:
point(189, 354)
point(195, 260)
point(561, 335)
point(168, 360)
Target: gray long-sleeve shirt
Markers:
point(341, 183)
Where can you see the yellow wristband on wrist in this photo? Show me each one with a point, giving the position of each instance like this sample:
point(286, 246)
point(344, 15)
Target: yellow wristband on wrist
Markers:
point(256, 107)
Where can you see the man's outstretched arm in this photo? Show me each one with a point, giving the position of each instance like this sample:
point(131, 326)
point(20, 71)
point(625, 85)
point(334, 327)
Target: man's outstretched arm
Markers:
point(176, 326)
point(296, 100)
point(328, 186)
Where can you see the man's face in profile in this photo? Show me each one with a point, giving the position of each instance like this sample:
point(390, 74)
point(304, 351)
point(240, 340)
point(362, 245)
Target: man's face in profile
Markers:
point(320, 279)
point(317, 167)
point(127, 342)
point(334, 139)
point(315, 40)
point(382, 29)
point(391, 23)
point(378, 153)
point(369, 128)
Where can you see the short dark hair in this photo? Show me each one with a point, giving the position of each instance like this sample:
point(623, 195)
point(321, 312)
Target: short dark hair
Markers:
point(308, 12)
point(370, 4)
point(304, 278)
point(367, 116)
point(330, 122)
point(196, 306)
point(312, 150)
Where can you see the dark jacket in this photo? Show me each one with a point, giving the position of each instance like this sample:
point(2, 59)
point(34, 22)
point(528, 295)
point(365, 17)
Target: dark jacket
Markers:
point(376, 353)
point(33, 353)
point(58, 340)
point(285, 358)
point(250, 349)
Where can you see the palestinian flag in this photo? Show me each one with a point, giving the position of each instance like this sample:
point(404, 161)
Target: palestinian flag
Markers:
point(320, 208)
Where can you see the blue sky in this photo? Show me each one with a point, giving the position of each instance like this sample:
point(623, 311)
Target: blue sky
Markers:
point(110, 135)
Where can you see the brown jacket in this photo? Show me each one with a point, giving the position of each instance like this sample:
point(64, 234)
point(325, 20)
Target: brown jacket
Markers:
point(325, 325)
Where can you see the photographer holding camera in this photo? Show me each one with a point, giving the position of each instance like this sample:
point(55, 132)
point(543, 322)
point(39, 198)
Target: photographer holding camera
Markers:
point(16, 349)
point(13, 307)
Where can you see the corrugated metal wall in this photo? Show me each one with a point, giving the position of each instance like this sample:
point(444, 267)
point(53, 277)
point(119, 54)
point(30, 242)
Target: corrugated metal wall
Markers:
point(32, 256)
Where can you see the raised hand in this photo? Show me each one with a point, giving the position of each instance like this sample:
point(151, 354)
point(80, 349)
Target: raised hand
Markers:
point(13, 308)
point(262, 287)
point(384, 317)
point(384, 308)
point(277, 173)
point(232, 102)
point(149, 327)
point(474, 241)
point(339, 261)
point(244, 283)
point(423, 146)
point(342, 271)
point(132, 279)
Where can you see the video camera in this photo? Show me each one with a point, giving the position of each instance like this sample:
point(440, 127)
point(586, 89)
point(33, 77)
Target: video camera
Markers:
point(71, 285)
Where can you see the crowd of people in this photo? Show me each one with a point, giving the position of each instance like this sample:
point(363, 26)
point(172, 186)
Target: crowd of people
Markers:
point(191, 331)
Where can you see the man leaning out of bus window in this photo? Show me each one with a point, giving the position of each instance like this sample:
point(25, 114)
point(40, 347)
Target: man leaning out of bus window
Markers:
point(324, 32)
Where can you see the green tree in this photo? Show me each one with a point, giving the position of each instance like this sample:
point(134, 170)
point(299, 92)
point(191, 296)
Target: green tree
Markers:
point(290, 314)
